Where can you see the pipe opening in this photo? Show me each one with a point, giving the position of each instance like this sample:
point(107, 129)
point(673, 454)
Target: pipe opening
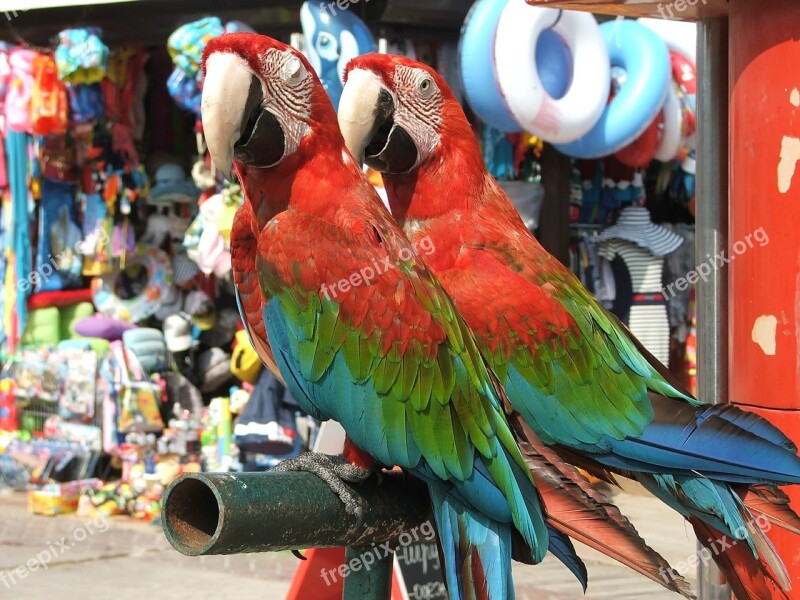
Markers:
point(192, 514)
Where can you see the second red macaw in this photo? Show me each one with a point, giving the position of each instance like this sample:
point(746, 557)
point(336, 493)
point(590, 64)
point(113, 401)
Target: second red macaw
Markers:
point(575, 373)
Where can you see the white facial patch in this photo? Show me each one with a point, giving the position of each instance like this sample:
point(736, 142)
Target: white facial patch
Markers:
point(417, 111)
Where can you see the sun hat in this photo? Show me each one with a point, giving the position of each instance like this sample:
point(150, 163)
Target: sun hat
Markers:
point(221, 335)
point(172, 185)
point(212, 254)
point(178, 332)
point(634, 225)
point(101, 326)
point(149, 347)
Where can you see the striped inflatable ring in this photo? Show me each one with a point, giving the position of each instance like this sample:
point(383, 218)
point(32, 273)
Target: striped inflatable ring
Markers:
point(516, 49)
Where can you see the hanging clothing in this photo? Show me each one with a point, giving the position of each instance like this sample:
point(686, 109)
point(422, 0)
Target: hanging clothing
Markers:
point(643, 308)
point(267, 423)
point(6, 297)
point(17, 152)
point(679, 264)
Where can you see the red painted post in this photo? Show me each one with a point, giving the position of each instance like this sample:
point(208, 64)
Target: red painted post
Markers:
point(764, 234)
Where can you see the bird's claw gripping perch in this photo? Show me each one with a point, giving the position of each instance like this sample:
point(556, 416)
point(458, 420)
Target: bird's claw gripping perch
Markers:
point(334, 471)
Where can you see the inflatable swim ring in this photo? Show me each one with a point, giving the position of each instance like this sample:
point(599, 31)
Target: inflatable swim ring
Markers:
point(159, 279)
point(680, 36)
point(567, 118)
point(644, 57)
point(673, 127)
point(642, 150)
point(477, 68)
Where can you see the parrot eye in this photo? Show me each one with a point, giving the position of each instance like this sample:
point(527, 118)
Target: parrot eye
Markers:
point(293, 71)
point(425, 87)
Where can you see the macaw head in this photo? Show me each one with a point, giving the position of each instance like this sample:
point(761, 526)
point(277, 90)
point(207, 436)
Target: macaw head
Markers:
point(334, 37)
point(398, 115)
point(262, 104)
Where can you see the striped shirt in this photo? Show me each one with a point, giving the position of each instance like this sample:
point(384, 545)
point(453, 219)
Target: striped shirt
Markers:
point(647, 317)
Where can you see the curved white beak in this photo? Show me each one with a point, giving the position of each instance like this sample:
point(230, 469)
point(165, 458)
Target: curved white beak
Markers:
point(358, 110)
point(225, 93)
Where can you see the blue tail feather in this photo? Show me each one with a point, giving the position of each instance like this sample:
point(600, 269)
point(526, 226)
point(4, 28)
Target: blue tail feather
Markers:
point(562, 548)
point(711, 443)
point(477, 549)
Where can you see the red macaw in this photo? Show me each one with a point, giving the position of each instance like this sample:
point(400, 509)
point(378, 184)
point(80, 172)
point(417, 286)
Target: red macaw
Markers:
point(573, 371)
point(358, 327)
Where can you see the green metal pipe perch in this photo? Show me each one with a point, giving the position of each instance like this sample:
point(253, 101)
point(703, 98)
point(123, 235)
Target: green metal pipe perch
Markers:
point(224, 513)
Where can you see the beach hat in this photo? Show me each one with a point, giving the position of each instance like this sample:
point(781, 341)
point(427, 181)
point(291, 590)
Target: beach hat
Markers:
point(634, 225)
point(81, 56)
point(221, 334)
point(212, 255)
point(185, 90)
point(172, 185)
point(149, 346)
point(186, 44)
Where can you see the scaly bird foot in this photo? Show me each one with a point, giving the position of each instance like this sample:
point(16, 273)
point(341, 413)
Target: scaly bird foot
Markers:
point(333, 470)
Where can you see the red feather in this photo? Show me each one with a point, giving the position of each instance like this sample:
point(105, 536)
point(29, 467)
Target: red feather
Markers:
point(243, 252)
point(578, 510)
point(772, 503)
point(748, 577)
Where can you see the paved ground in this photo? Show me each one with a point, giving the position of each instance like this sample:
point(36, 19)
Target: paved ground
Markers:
point(128, 560)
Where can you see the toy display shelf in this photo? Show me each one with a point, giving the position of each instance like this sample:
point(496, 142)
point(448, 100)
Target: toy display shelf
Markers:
point(681, 10)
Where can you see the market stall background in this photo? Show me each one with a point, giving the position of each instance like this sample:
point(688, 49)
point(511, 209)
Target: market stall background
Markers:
point(124, 358)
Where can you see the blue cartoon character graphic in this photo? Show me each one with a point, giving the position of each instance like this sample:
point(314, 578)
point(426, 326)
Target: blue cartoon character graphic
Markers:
point(333, 37)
